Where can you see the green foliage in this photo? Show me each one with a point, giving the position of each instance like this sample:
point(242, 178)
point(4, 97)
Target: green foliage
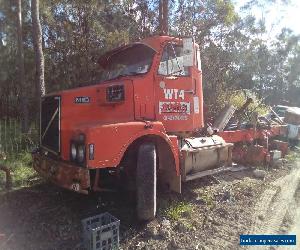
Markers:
point(238, 99)
point(21, 170)
point(292, 157)
point(208, 199)
point(235, 55)
point(175, 210)
point(13, 141)
point(227, 9)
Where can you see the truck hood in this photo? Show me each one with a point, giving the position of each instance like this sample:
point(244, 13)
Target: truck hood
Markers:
point(65, 113)
point(90, 104)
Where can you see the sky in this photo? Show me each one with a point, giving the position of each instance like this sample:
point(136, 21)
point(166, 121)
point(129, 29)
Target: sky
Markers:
point(277, 15)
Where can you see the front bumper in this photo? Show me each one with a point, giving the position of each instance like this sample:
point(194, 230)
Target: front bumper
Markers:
point(62, 174)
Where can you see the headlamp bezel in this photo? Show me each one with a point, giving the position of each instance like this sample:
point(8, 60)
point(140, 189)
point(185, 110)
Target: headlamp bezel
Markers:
point(73, 151)
point(78, 143)
point(80, 155)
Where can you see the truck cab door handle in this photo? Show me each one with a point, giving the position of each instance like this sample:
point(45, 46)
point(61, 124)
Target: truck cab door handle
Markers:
point(190, 91)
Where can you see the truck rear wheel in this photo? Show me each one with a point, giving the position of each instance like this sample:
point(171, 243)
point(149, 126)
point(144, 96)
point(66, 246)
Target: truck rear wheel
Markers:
point(146, 182)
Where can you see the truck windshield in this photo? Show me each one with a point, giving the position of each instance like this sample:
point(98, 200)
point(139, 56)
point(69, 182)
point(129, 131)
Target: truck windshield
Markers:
point(134, 60)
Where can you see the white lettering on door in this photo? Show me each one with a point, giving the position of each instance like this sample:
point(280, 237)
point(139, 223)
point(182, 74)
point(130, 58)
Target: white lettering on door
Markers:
point(181, 94)
point(168, 93)
point(174, 94)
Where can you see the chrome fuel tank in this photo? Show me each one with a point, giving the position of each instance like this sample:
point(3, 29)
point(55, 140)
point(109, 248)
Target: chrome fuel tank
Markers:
point(204, 153)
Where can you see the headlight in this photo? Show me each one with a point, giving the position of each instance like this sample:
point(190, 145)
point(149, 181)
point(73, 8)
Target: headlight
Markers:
point(77, 149)
point(80, 153)
point(73, 151)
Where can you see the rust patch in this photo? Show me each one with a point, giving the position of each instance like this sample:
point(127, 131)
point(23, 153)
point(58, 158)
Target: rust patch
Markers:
point(62, 173)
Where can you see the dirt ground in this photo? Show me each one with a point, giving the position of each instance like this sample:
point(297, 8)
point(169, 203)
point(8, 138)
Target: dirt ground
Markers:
point(211, 213)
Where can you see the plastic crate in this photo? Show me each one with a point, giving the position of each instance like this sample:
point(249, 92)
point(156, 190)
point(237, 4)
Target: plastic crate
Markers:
point(101, 232)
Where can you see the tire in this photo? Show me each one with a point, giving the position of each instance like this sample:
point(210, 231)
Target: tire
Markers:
point(146, 182)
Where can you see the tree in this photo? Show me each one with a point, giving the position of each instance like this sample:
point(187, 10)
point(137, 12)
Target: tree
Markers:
point(234, 51)
point(22, 82)
point(164, 17)
point(37, 42)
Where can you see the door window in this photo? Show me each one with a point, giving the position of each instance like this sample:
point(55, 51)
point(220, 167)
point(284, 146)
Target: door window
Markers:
point(171, 62)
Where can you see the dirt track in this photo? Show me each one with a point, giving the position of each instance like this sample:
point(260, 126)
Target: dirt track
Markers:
point(276, 201)
point(223, 207)
point(278, 209)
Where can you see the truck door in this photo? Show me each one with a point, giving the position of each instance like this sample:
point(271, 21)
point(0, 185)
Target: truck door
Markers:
point(178, 90)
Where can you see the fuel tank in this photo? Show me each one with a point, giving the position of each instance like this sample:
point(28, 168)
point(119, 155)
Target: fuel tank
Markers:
point(204, 153)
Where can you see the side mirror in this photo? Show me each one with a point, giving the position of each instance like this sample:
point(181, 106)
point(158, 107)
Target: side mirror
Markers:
point(188, 51)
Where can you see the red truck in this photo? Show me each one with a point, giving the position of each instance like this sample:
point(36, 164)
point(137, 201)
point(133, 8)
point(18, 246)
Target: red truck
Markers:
point(138, 126)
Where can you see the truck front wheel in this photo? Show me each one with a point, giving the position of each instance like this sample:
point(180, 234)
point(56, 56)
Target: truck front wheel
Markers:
point(146, 182)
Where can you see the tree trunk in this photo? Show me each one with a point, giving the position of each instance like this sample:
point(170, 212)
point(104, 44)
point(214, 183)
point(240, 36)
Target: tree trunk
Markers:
point(163, 17)
point(166, 17)
point(22, 82)
point(160, 16)
point(8, 176)
point(38, 49)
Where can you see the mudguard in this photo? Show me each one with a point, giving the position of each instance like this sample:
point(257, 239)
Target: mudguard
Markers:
point(112, 140)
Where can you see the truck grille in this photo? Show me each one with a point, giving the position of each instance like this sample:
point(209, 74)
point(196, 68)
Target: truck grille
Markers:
point(50, 123)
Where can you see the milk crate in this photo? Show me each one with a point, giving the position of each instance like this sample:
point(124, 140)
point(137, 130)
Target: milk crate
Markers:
point(101, 232)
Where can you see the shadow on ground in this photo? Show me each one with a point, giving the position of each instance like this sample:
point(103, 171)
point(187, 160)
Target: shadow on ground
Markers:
point(46, 217)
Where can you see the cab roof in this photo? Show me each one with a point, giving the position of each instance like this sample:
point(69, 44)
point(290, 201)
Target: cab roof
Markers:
point(153, 42)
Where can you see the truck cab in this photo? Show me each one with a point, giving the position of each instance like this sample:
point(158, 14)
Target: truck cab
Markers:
point(139, 123)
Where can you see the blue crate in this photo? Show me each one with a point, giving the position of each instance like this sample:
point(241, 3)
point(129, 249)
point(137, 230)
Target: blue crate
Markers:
point(101, 232)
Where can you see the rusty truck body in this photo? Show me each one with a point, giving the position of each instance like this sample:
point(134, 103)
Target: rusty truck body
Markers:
point(139, 125)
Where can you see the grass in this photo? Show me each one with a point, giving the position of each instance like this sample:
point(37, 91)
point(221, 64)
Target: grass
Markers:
point(13, 141)
point(174, 210)
point(208, 198)
point(21, 169)
point(16, 146)
point(292, 157)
